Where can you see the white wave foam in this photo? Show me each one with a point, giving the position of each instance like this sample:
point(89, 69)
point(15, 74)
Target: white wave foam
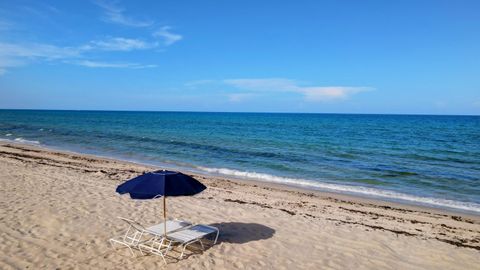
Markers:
point(344, 188)
point(22, 140)
point(8, 134)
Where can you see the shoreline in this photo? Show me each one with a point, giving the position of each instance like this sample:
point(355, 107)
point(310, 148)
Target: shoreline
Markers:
point(349, 195)
point(273, 186)
point(60, 208)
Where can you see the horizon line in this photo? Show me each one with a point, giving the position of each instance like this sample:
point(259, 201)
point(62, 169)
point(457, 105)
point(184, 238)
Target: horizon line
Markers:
point(239, 112)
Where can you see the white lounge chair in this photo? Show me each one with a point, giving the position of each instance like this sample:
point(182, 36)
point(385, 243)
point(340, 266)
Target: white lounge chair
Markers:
point(192, 234)
point(135, 232)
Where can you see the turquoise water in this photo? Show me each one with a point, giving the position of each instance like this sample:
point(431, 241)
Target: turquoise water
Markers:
point(432, 160)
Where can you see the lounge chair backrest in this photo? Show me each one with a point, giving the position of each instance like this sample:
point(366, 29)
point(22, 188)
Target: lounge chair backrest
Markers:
point(134, 233)
point(137, 226)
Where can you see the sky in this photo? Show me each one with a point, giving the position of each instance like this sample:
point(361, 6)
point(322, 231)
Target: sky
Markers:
point(331, 56)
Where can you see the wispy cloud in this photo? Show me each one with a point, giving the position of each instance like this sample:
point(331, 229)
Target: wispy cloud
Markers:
point(269, 84)
point(310, 93)
point(239, 97)
point(118, 44)
point(94, 64)
point(40, 10)
point(46, 51)
point(7, 62)
point(5, 25)
point(440, 104)
point(330, 93)
point(14, 55)
point(168, 37)
point(198, 83)
point(53, 9)
point(16, 52)
point(116, 14)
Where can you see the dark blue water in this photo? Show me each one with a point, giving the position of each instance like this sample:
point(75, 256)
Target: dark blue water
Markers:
point(419, 159)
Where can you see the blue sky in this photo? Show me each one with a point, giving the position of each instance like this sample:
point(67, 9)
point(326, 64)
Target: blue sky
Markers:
point(266, 56)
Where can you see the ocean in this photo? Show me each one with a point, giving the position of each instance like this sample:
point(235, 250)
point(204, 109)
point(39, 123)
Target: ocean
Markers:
point(415, 159)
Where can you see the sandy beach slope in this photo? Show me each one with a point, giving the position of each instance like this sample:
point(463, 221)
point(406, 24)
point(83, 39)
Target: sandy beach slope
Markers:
point(58, 209)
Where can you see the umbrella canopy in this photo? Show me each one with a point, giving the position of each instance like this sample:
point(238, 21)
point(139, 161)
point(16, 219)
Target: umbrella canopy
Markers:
point(161, 184)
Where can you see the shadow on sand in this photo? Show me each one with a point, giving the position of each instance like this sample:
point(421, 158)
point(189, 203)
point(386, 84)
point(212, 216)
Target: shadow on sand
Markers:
point(240, 233)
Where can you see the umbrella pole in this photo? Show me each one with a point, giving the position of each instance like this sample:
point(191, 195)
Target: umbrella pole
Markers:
point(165, 216)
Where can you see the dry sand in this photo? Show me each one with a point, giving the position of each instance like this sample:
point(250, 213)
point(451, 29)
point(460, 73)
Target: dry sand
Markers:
point(58, 210)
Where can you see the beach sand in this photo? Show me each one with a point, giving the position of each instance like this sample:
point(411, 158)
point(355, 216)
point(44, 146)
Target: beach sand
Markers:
point(58, 210)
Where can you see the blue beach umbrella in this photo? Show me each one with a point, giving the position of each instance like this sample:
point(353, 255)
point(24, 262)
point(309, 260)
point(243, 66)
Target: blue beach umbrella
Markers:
point(158, 184)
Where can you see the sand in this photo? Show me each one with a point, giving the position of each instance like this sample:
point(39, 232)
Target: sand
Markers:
point(58, 210)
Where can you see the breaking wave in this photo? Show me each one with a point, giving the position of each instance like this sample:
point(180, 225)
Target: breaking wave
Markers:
point(344, 188)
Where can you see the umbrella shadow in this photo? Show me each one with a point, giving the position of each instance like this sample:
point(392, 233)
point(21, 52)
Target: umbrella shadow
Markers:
point(240, 233)
point(232, 232)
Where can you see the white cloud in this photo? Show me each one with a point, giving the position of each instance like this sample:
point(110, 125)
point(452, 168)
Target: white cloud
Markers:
point(118, 44)
point(94, 64)
point(115, 14)
point(310, 93)
point(168, 37)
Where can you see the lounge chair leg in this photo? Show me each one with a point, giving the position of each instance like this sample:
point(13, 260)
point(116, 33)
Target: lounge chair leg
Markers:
point(183, 250)
point(131, 251)
point(201, 244)
point(216, 237)
point(113, 246)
